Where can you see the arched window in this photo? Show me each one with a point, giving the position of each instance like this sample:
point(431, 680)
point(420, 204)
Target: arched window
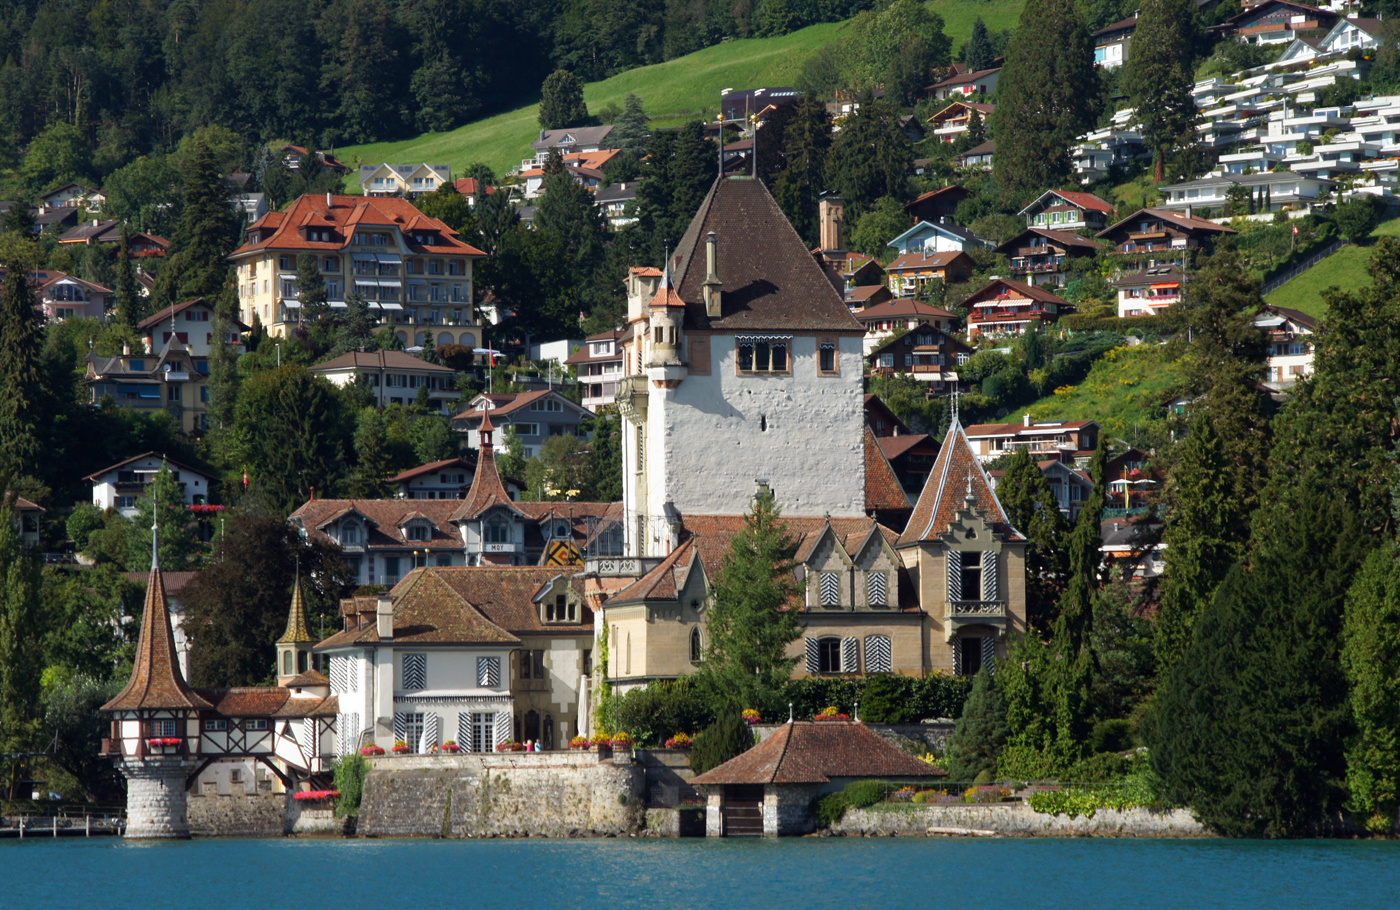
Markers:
point(403, 338)
point(422, 338)
point(445, 338)
point(695, 650)
point(286, 663)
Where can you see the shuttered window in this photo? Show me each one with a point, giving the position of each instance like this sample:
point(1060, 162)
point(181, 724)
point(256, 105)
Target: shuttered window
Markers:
point(488, 671)
point(830, 589)
point(878, 656)
point(850, 655)
point(875, 589)
point(989, 576)
point(954, 575)
point(415, 672)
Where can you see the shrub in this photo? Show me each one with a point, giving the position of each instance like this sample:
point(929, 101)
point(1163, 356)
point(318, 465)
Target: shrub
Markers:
point(830, 809)
point(728, 737)
point(1111, 736)
point(349, 773)
point(984, 776)
point(863, 793)
point(1358, 216)
point(661, 710)
point(885, 699)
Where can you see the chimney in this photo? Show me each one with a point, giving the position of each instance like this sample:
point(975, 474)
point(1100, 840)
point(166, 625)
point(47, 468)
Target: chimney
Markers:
point(1026, 421)
point(1190, 211)
point(829, 215)
point(384, 618)
point(712, 285)
point(329, 204)
point(126, 349)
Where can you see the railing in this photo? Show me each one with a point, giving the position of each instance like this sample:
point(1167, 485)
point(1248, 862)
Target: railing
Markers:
point(1278, 281)
point(976, 608)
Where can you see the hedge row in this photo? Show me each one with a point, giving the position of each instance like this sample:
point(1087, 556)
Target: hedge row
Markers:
point(1127, 325)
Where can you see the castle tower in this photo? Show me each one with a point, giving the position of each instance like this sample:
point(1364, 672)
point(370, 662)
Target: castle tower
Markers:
point(493, 529)
point(155, 732)
point(294, 647)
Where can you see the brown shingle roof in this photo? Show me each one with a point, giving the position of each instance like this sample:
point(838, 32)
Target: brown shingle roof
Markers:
point(920, 260)
point(155, 679)
point(945, 493)
point(809, 752)
point(904, 306)
point(429, 610)
point(770, 280)
point(486, 490)
point(379, 360)
point(1063, 238)
point(1029, 291)
point(431, 467)
point(502, 597)
point(882, 488)
point(385, 517)
point(268, 701)
point(1180, 219)
point(163, 317)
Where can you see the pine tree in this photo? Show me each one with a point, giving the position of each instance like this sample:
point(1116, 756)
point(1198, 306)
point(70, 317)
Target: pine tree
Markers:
point(632, 127)
point(205, 235)
point(748, 622)
point(978, 53)
point(1371, 659)
point(179, 544)
point(1031, 506)
point(806, 142)
point(223, 369)
point(561, 104)
point(20, 377)
point(356, 327)
point(1046, 98)
point(128, 298)
point(311, 288)
point(371, 456)
point(728, 737)
point(21, 635)
point(870, 157)
point(1158, 78)
point(980, 733)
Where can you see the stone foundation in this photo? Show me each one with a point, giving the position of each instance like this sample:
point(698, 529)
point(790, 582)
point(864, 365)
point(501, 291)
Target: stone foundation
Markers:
point(544, 794)
point(238, 814)
point(1014, 820)
point(156, 805)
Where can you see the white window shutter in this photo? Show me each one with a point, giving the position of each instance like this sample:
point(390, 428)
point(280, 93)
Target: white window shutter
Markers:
point(814, 660)
point(954, 575)
point(415, 671)
point(957, 657)
point(431, 727)
point(488, 671)
point(464, 731)
point(875, 589)
point(878, 658)
point(400, 726)
point(850, 655)
point(830, 589)
point(989, 575)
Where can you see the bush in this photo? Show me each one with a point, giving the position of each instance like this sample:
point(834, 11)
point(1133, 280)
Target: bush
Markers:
point(864, 793)
point(886, 699)
point(349, 773)
point(1111, 736)
point(830, 809)
point(1358, 216)
point(728, 737)
point(1128, 325)
point(661, 710)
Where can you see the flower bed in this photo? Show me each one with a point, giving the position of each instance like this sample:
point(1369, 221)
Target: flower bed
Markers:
point(582, 743)
point(831, 714)
point(372, 749)
point(309, 795)
point(621, 741)
point(680, 741)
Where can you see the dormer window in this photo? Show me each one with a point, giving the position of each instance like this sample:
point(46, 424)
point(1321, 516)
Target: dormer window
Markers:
point(560, 609)
point(496, 531)
point(417, 531)
point(349, 534)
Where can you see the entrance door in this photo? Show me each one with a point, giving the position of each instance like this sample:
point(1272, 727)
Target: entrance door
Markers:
point(532, 726)
point(741, 814)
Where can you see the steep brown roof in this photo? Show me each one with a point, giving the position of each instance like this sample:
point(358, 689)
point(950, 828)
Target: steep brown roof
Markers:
point(268, 701)
point(486, 490)
point(770, 280)
point(945, 493)
point(431, 467)
point(155, 679)
point(919, 260)
point(882, 489)
point(1180, 219)
point(1063, 238)
point(342, 215)
point(660, 582)
point(904, 306)
point(811, 752)
point(384, 518)
point(166, 313)
point(429, 610)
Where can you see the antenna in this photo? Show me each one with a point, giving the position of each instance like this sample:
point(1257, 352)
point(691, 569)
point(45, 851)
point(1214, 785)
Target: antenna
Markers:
point(155, 526)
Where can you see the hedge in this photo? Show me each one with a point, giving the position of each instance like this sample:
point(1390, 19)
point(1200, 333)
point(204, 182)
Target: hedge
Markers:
point(1127, 325)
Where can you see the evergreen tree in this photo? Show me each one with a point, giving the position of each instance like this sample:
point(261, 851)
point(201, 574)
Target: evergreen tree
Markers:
point(1371, 659)
point(806, 142)
point(293, 435)
point(973, 136)
point(566, 210)
point(311, 288)
point(129, 309)
point(1046, 98)
point(179, 543)
point(21, 635)
point(561, 104)
point(632, 127)
point(356, 327)
point(748, 624)
point(20, 377)
point(205, 235)
point(980, 733)
point(223, 370)
point(870, 157)
point(1250, 728)
point(1031, 507)
point(1158, 78)
point(371, 456)
point(434, 440)
point(728, 737)
point(978, 53)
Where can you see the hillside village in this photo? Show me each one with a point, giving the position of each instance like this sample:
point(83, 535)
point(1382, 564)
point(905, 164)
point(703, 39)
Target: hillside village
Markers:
point(877, 397)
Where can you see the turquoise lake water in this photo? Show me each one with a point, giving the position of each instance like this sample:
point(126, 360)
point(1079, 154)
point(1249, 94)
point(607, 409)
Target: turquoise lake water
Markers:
point(909, 873)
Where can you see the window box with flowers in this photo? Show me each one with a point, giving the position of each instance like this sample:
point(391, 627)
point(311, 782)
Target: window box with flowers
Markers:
point(451, 747)
point(581, 743)
point(164, 745)
point(680, 741)
point(831, 714)
point(372, 750)
point(401, 747)
point(510, 747)
point(751, 716)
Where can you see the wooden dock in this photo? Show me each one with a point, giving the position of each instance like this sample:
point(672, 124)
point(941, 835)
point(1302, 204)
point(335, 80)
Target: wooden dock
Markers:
point(86, 825)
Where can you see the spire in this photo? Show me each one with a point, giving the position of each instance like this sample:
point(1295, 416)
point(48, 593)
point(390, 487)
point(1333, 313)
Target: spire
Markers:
point(297, 631)
point(486, 429)
point(487, 489)
point(156, 681)
point(956, 470)
point(155, 527)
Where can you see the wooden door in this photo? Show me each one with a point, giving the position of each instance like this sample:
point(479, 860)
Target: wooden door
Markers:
point(741, 814)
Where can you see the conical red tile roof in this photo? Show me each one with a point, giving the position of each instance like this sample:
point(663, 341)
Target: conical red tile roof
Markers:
point(155, 679)
point(955, 475)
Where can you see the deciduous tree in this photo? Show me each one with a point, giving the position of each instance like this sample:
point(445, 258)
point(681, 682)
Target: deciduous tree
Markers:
point(562, 102)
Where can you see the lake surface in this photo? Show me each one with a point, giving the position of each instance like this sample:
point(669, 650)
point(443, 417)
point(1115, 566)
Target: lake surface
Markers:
point(806, 873)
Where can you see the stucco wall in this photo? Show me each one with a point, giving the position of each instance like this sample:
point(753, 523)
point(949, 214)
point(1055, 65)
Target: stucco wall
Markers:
point(1016, 820)
point(547, 794)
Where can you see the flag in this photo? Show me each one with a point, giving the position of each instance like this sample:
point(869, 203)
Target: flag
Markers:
point(1295, 229)
point(245, 478)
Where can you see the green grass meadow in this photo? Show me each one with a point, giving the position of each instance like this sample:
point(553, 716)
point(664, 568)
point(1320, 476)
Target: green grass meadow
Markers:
point(1345, 269)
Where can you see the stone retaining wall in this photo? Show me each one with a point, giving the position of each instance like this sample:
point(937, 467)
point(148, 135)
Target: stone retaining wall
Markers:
point(931, 736)
point(238, 814)
point(1015, 820)
point(543, 794)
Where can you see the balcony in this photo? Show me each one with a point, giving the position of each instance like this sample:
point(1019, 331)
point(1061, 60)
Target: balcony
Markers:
point(962, 613)
point(632, 393)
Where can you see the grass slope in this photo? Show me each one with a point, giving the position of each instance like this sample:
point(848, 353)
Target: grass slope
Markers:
point(673, 92)
point(1345, 268)
point(1124, 392)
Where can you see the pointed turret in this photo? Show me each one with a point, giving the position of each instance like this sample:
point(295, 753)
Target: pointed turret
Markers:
point(156, 681)
point(486, 489)
point(956, 483)
point(294, 647)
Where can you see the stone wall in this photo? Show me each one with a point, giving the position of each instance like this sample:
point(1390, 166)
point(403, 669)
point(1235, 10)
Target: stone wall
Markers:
point(155, 797)
point(238, 814)
point(668, 776)
point(543, 794)
point(1014, 820)
point(930, 736)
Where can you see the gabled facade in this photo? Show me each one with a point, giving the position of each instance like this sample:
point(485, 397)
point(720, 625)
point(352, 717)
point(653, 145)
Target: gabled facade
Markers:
point(909, 273)
point(1111, 43)
point(569, 141)
point(1276, 22)
point(927, 353)
point(171, 380)
point(964, 85)
point(936, 205)
point(929, 237)
point(1064, 440)
point(1061, 210)
point(191, 324)
point(1291, 346)
point(883, 319)
point(382, 540)
point(61, 296)
point(394, 378)
point(27, 518)
point(120, 485)
point(952, 121)
point(1043, 257)
point(1352, 33)
point(1149, 291)
point(532, 416)
point(403, 179)
point(446, 479)
point(1008, 307)
point(1170, 234)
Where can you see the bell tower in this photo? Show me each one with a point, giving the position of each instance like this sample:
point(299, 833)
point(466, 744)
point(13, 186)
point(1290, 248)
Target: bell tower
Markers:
point(294, 647)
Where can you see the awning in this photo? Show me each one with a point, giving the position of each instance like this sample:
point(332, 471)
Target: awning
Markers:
point(390, 283)
point(1166, 285)
point(390, 306)
point(337, 304)
point(390, 258)
point(363, 257)
point(291, 304)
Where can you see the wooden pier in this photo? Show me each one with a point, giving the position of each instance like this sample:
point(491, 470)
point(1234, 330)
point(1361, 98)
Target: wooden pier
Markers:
point(71, 823)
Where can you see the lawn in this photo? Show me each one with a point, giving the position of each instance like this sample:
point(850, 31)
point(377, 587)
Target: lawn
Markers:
point(673, 92)
point(1345, 268)
point(1124, 392)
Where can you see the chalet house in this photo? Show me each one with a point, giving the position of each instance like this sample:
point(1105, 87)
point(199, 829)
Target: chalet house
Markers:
point(936, 205)
point(1149, 291)
point(118, 486)
point(911, 456)
point(446, 479)
point(470, 186)
point(1111, 43)
point(89, 233)
point(191, 324)
point(1061, 210)
point(1170, 234)
point(964, 86)
point(403, 179)
point(865, 297)
point(139, 245)
point(979, 156)
point(585, 167)
point(27, 518)
point(292, 156)
point(413, 271)
point(1009, 307)
point(1043, 257)
point(394, 378)
point(1291, 348)
point(55, 221)
point(1131, 481)
point(1276, 22)
point(905, 313)
point(618, 202)
point(929, 237)
point(924, 352)
point(73, 196)
point(598, 365)
point(169, 380)
point(909, 273)
point(533, 417)
point(570, 141)
point(1063, 440)
point(62, 296)
point(1281, 191)
point(1135, 544)
point(953, 120)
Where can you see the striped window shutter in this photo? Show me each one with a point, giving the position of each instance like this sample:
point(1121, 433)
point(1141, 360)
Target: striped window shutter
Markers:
point(488, 671)
point(400, 726)
point(957, 657)
point(352, 674)
point(337, 669)
point(875, 592)
point(502, 727)
point(353, 734)
point(464, 732)
point(850, 655)
point(831, 589)
point(415, 671)
point(989, 655)
point(342, 723)
point(954, 575)
point(814, 658)
point(877, 654)
point(989, 575)
point(307, 737)
point(431, 728)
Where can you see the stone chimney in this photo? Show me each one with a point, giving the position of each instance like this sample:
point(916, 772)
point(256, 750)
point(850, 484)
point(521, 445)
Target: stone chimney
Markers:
point(830, 212)
point(384, 618)
point(712, 286)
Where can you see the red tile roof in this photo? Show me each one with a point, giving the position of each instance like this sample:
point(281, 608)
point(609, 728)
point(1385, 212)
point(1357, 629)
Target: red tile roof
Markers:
point(883, 491)
point(895, 446)
point(486, 491)
point(165, 315)
point(1020, 287)
point(431, 467)
point(904, 306)
point(467, 186)
point(921, 261)
point(155, 677)
point(808, 752)
point(385, 518)
point(343, 215)
point(955, 475)
point(269, 701)
point(379, 360)
point(1085, 201)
